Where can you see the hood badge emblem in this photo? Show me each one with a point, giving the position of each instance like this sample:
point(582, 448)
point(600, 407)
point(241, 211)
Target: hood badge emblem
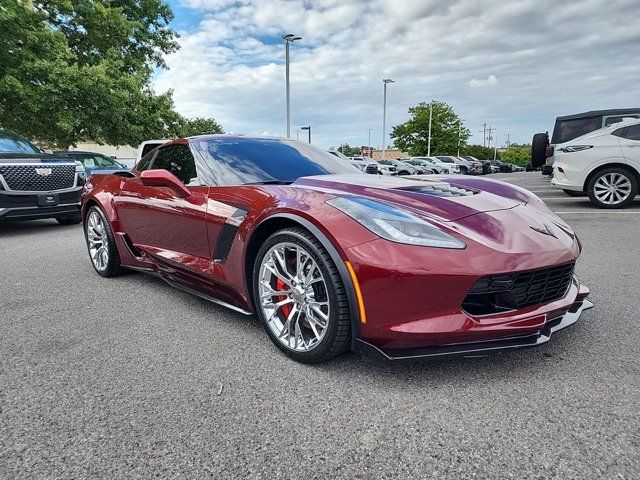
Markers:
point(545, 231)
point(45, 172)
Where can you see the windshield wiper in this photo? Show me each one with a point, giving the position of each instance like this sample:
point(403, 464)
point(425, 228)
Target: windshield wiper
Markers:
point(271, 182)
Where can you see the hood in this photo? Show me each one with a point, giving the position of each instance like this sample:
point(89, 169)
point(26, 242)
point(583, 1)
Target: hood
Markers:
point(102, 171)
point(445, 199)
point(15, 157)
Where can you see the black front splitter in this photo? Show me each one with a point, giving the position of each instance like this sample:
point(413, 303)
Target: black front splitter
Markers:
point(476, 349)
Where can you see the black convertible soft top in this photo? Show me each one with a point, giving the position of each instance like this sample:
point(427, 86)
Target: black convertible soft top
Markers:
point(596, 113)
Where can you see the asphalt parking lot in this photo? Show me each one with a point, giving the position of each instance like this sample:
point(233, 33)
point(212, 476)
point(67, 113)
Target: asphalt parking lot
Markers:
point(127, 377)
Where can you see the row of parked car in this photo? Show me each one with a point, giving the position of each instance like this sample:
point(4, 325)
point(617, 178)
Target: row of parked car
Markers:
point(441, 164)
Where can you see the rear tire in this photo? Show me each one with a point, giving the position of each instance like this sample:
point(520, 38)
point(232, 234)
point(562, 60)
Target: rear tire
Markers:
point(69, 220)
point(574, 193)
point(539, 146)
point(613, 187)
point(322, 286)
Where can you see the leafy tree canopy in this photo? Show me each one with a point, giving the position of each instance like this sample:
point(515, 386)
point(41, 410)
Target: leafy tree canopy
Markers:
point(478, 151)
point(413, 135)
point(81, 70)
point(348, 150)
point(517, 155)
point(198, 126)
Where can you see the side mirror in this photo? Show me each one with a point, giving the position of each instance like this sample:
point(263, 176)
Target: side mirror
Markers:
point(164, 178)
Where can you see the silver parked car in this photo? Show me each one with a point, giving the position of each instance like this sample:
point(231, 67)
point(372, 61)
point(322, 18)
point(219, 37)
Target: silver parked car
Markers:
point(363, 165)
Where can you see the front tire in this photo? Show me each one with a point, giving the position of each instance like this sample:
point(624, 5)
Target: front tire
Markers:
point(101, 244)
point(300, 298)
point(612, 188)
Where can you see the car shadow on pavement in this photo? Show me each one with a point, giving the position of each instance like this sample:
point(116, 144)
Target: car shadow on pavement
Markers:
point(9, 229)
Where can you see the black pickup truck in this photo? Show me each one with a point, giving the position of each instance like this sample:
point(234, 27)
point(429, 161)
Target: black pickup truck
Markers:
point(35, 185)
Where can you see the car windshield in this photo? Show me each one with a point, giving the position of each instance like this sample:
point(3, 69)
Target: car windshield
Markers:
point(243, 161)
point(10, 142)
point(95, 160)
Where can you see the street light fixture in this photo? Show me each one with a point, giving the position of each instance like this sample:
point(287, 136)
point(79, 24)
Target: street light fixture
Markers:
point(288, 38)
point(384, 117)
point(307, 128)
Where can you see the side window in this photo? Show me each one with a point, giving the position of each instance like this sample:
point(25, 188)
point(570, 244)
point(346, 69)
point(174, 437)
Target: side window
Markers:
point(612, 120)
point(144, 162)
point(632, 132)
point(178, 160)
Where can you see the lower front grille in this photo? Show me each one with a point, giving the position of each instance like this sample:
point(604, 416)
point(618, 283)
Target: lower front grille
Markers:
point(514, 291)
point(38, 178)
point(372, 169)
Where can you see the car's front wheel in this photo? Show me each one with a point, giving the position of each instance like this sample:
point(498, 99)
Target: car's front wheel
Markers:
point(101, 244)
point(300, 297)
point(612, 188)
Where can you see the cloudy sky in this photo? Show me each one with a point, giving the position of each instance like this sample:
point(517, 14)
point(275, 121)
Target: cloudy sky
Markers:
point(514, 65)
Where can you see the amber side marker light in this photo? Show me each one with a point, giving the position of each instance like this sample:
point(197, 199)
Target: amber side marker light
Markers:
point(356, 287)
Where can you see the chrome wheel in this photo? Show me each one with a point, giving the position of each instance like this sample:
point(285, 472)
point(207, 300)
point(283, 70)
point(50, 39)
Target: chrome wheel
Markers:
point(98, 241)
point(293, 297)
point(612, 188)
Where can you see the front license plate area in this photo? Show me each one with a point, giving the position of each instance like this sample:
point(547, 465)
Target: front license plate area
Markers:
point(48, 200)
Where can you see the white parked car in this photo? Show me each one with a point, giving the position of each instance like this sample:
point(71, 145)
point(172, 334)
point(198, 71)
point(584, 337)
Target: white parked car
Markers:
point(449, 167)
point(147, 146)
point(604, 164)
point(362, 165)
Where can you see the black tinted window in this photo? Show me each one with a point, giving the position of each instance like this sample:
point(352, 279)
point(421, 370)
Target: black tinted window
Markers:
point(570, 129)
point(237, 161)
point(178, 160)
point(149, 147)
point(612, 120)
point(144, 162)
point(631, 132)
point(445, 159)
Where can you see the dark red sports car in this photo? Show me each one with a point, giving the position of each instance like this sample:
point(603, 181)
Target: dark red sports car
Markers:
point(331, 259)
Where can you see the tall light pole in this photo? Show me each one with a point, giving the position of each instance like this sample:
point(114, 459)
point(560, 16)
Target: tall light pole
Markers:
point(369, 144)
point(289, 38)
point(459, 133)
point(429, 141)
point(384, 117)
point(307, 128)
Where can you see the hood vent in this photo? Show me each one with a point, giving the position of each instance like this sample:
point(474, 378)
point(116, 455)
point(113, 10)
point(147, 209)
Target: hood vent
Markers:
point(441, 190)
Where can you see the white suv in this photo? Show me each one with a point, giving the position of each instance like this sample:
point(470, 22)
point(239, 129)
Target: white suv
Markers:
point(604, 163)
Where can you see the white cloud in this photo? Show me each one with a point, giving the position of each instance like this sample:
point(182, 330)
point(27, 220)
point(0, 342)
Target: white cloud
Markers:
point(550, 58)
point(483, 82)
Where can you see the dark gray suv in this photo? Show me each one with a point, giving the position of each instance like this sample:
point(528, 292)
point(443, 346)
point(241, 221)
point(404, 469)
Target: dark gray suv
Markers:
point(35, 185)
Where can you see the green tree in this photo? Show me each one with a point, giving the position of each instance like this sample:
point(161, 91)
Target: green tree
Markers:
point(348, 150)
point(81, 70)
point(413, 135)
point(517, 155)
point(189, 127)
point(478, 151)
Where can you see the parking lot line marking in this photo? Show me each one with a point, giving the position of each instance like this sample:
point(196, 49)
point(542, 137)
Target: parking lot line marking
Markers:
point(607, 212)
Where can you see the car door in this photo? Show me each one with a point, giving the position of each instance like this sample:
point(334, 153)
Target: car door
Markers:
point(629, 138)
point(171, 229)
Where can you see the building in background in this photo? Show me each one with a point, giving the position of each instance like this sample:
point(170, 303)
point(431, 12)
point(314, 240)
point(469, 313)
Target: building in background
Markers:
point(390, 153)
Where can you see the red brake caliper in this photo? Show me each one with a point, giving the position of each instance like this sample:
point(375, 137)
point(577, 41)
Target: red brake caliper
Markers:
point(280, 285)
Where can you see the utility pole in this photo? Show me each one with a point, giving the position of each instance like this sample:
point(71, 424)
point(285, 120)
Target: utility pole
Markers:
point(369, 144)
point(459, 134)
point(508, 143)
point(430, 116)
point(489, 137)
point(484, 134)
point(289, 38)
point(384, 117)
point(495, 145)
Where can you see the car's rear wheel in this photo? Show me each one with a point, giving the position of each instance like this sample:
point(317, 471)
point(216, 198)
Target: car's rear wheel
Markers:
point(300, 298)
point(612, 188)
point(101, 244)
point(69, 219)
point(574, 193)
point(404, 172)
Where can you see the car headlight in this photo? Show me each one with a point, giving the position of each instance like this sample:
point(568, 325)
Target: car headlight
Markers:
point(393, 224)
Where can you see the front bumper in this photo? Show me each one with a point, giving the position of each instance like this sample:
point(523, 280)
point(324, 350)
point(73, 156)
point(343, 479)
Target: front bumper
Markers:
point(478, 349)
point(19, 206)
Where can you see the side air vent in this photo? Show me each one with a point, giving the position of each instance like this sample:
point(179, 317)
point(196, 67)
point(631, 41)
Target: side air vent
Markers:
point(228, 235)
point(442, 190)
